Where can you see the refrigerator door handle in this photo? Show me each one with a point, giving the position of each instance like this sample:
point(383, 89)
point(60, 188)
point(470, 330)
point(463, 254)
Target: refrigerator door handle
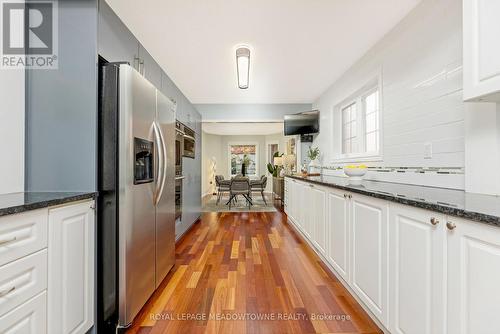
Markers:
point(162, 168)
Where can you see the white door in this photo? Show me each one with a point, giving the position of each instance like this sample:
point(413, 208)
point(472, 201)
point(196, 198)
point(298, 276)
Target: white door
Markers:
point(318, 218)
point(473, 277)
point(337, 223)
point(71, 269)
point(481, 28)
point(416, 271)
point(369, 253)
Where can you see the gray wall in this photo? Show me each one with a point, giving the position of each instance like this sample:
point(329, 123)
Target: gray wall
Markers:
point(61, 107)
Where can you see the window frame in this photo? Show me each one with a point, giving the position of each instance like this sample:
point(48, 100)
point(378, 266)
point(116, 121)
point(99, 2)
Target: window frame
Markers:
point(242, 143)
point(358, 98)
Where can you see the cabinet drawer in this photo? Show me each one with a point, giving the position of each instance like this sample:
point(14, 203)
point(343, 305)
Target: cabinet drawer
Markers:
point(22, 279)
point(29, 318)
point(22, 234)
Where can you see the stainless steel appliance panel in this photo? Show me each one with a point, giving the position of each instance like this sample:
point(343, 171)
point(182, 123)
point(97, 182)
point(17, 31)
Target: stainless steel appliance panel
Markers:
point(137, 107)
point(165, 207)
point(189, 143)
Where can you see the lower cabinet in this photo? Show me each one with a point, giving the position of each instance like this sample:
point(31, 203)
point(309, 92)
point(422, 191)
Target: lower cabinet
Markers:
point(47, 270)
point(417, 246)
point(416, 271)
point(369, 253)
point(338, 226)
point(317, 221)
point(29, 318)
point(473, 277)
point(71, 269)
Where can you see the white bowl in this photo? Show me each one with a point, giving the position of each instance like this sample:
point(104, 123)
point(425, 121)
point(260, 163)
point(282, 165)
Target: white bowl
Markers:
point(355, 174)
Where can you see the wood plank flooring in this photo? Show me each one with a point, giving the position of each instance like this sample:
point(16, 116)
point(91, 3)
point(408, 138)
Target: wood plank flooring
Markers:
point(249, 273)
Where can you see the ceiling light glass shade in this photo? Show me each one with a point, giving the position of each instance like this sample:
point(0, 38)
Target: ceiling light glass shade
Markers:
point(243, 66)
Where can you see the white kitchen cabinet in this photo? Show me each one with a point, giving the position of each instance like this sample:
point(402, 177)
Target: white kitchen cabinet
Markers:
point(304, 214)
point(317, 214)
point(338, 232)
point(481, 68)
point(417, 248)
point(71, 268)
point(473, 277)
point(22, 279)
point(29, 318)
point(369, 220)
point(22, 234)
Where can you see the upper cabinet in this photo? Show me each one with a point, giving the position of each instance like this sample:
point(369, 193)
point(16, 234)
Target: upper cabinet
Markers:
point(115, 42)
point(148, 67)
point(481, 28)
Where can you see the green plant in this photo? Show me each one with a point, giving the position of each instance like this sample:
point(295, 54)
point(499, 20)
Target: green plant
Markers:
point(246, 160)
point(274, 169)
point(313, 153)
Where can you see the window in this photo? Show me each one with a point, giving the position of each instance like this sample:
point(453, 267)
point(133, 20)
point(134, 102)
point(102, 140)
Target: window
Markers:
point(349, 129)
point(372, 130)
point(243, 153)
point(360, 125)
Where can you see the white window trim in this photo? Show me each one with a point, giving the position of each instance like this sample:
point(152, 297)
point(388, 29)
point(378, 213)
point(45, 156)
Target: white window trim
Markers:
point(256, 144)
point(357, 97)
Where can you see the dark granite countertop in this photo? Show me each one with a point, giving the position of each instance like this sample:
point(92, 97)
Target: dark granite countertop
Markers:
point(477, 207)
point(24, 201)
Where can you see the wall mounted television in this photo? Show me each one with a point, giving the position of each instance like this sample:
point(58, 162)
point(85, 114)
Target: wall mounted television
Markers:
point(301, 124)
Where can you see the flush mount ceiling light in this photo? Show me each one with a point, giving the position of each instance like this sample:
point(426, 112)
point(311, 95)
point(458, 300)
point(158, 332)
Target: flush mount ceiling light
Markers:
point(243, 66)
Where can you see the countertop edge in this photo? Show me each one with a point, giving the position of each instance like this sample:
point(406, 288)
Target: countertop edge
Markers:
point(457, 212)
point(47, 203)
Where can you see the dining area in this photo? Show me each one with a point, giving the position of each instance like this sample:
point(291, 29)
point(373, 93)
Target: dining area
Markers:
point(238, 191)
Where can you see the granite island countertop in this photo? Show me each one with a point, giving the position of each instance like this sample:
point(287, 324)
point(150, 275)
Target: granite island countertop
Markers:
point(477, 207)
point(25, 201)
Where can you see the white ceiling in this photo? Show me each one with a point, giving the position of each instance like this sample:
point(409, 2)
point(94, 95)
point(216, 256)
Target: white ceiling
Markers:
point(247, 129)
point(299, 47)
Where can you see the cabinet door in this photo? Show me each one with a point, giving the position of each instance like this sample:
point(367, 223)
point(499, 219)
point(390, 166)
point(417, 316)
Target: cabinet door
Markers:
point(481, 28)
point(286, 199)
point(293, 201)
point(115, 41)
point(29, 318)
point(416, 271)
point(338, 232)
point(150, 68)
point(71, 269)
point(473, 278)
point(318, 218)
point(303, 202)
point(369, 253)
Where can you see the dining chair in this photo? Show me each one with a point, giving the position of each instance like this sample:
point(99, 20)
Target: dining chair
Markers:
point(260, 186)
point(222, 187)
point(240, 186)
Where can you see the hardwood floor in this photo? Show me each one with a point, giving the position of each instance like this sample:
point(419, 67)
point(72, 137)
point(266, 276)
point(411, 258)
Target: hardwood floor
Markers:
point(234, 272)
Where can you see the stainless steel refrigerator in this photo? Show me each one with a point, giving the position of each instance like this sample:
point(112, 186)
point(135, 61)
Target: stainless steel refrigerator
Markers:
point(137, 194)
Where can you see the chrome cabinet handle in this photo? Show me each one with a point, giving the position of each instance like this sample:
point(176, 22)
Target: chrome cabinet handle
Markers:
point(350, 196)
point(312, 186)
point(3, 242)
point(434, 221)
point(345, 195)
point(451, 226)
point(6, 292)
